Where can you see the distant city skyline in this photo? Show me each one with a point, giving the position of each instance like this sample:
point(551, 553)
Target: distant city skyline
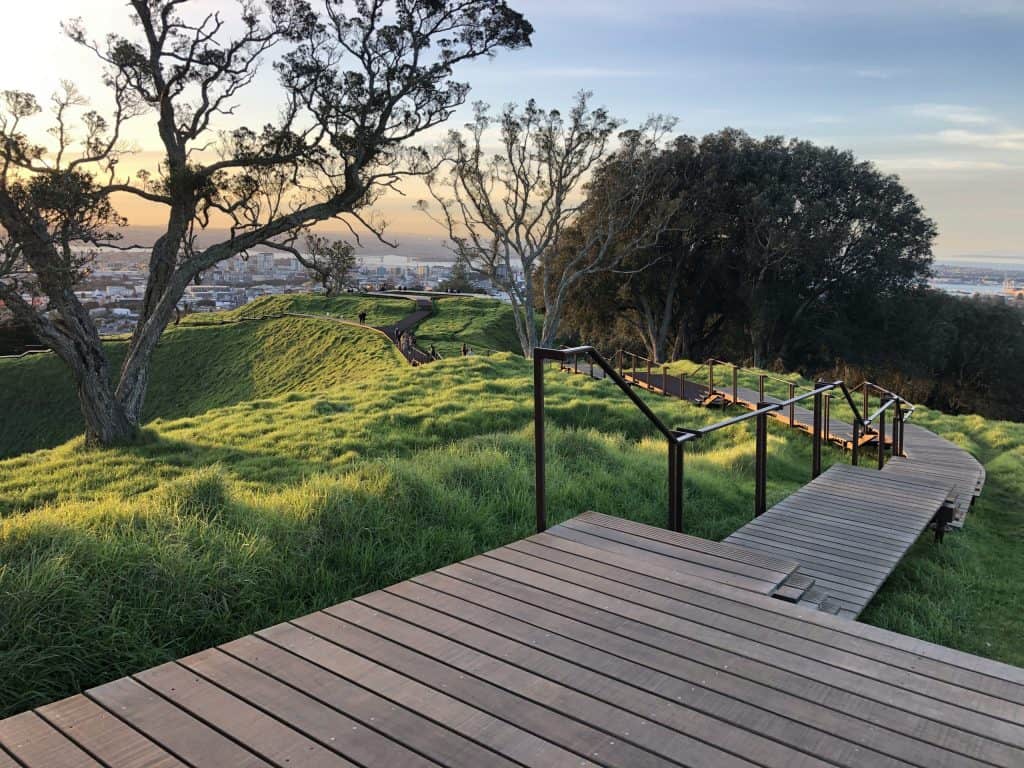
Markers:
point(928, 89)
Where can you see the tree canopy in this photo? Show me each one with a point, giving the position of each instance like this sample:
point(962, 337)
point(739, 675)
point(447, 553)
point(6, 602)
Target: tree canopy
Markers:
point(358, 81)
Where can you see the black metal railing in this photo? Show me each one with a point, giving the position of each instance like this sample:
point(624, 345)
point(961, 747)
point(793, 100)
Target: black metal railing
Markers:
point(677, 438)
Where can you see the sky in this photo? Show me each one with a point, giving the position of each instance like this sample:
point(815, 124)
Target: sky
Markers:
point(930, 90)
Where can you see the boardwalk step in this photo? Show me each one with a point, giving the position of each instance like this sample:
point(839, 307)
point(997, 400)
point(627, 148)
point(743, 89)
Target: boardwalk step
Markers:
point(794, 588)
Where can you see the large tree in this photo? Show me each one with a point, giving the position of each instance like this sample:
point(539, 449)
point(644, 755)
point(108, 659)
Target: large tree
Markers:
point(359, 80)
point(515, 214)
point(769, 239)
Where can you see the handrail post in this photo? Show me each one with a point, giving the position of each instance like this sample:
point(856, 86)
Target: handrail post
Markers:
point(865, 413)
point(575, 363)
point(675, 486)
point(828, 415)
point(792, 406)
point(735, 384)
point(682, 385)
point(761, 462)
point(760, 387)
point(711, 378)
point(897, 446)
point(855, 455)
point(881, 439)
point(538, 443)
point(816, 439)
point(622, 370)
point(664, 380)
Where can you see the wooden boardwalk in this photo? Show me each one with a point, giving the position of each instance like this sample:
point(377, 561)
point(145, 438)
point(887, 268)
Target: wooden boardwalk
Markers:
point(849, 528)
point(598, 643)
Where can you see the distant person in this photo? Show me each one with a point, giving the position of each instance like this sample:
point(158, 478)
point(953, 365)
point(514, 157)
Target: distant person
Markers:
point(362, 318)
point(433, 352)
point(398, 335)
point(465, 349)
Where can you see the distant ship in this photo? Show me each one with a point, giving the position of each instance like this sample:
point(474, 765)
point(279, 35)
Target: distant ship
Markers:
point(1010, 289)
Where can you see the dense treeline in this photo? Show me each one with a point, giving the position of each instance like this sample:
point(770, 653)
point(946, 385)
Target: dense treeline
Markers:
point(785, 254)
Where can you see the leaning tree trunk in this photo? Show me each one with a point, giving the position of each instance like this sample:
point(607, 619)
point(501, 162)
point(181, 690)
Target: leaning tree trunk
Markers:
point(106, 422)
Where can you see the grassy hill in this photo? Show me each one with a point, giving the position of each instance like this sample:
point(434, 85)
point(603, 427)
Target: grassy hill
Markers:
point(359, 471)
point(486, 325)
point(195, 368)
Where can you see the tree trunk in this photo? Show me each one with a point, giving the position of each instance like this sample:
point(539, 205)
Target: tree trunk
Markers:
point(106, 422)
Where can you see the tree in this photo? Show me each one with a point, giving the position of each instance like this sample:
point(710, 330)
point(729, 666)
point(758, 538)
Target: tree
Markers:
point(509, 213)
point(770, 242)
point(338, 143)
point(461, 278)
point(329, 263)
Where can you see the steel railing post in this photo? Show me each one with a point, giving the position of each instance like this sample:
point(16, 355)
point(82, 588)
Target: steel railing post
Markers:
point(575, 363)
point(881, 439)
point(682, 385)
point(649, 386)
point(761, 463)
point(735, 384)
point(711, 378)
point(538, 443)
point(622, 370)
point(816, 439)
point(865, 413)
point(664, 380)
point(855, 455)
point(675, 486)
point(760, 388)
point(828, 416)
point(792, 406)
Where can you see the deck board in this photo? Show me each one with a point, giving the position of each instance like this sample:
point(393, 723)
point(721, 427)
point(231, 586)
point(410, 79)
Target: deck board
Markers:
point(551, 651)
point(848, 528)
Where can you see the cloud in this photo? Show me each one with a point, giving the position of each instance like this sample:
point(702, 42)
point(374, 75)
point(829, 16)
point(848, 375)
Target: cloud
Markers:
point(1009, 140)
point(957, 114)
point(941, 164)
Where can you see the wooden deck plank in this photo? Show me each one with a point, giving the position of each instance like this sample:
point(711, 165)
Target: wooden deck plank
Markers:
point(711, 565)
point(106, 737)
point(730, 686)
point(683, 541)
point(636, 721)
point(313, 638)
point(272, 740)
point(603, 678)
point(330, 728)
point(37, 744)
point(369, 707)
point(172, 728)
point(826, 663)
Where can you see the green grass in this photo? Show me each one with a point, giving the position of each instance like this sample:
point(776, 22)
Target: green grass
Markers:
point(486, 325)
point(195, 368)
point(220, 522)
point(380, 310)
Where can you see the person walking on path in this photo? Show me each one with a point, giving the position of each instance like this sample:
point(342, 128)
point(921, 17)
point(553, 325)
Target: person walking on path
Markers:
point(465, 349)
point(362, 317)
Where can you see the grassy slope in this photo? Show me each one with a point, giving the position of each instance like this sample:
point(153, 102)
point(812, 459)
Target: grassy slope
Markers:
point(194, 369)
point(379, 310)
point(483, 324)
point(261, 510)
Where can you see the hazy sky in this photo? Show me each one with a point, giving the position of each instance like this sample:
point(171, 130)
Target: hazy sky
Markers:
point(930, 90)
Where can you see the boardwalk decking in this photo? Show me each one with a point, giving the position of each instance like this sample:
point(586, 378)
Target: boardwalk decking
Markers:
point(849, 528)
point(552, 651)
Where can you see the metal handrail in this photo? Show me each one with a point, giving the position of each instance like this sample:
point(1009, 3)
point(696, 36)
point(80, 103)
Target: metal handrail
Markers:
point(678, 437)
point(770, 408)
